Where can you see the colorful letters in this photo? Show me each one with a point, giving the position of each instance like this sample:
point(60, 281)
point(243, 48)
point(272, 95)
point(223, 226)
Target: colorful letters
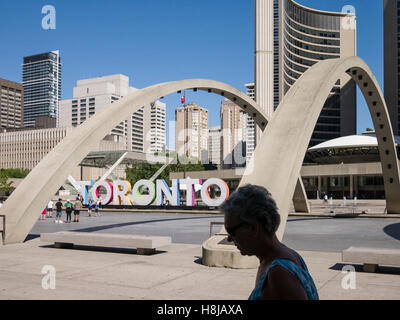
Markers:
point(120, 192)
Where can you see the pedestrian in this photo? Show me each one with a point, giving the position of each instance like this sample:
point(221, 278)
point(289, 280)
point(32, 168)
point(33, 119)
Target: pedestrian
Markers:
point(251, 221)
point(68, 209)
point(77, 208)
point(100, 202)
point(90, 207)
point(59, 206)
point(96, 209)
point(50, 209)
point(43, 215)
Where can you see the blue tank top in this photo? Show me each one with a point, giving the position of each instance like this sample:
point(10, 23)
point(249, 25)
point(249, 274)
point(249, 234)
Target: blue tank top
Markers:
point(301, 273)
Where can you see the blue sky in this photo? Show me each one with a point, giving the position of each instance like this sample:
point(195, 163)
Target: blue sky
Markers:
point(155, 41)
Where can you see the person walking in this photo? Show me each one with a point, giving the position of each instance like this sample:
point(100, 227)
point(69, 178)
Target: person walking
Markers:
point(43, 215)
point(96, 209)
point(100, 202)
point(251, 220)
point(50, 209)
point(77, 209)
point(68, 209)
point(59, 206)
point(90, 207)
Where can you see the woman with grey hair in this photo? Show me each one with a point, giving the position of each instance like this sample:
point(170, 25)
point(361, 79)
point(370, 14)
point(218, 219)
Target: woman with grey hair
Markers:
point(251, 220)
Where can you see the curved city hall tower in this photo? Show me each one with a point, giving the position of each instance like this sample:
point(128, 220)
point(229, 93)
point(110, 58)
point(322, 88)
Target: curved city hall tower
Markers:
point(264, 54)
point(289, 39)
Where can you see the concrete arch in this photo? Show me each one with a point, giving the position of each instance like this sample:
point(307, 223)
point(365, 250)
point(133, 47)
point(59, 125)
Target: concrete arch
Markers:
point(291, 127)
point(43, 181)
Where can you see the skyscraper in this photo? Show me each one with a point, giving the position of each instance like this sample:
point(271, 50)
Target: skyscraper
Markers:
point(41, 79)
point(191, 135)
point(12, 104)
point(233, 126)
point(391, 31)
point(290, 38)
point(251, 126)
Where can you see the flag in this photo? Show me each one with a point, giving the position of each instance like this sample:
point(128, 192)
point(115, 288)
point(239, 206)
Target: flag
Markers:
point(183, 98)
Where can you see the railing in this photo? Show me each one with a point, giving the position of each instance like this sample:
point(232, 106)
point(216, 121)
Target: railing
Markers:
point(3, 230)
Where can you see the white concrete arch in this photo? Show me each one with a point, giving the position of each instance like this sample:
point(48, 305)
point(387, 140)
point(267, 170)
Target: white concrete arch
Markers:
point(28, 200)
point(292, 125)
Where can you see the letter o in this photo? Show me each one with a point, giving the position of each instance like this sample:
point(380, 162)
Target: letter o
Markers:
point(109, 191)
point(205, 196)
point(138, 197)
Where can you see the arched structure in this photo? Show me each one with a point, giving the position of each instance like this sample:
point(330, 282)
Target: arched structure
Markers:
point(291, 127)
point(28, 200)
point(279, 155)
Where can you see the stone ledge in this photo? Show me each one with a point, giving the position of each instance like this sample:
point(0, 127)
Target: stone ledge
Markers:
point(217, 252)
point(372, 257)
point(106, 240)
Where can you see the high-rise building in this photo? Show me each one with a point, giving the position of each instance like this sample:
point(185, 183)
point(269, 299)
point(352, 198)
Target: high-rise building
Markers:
point(214, 144)
point(251, 126)
point(155, 128)
point(191, 132)
point(144, 131)
point(391, 32)
point(233, 126)
point(41, 79)
point(290, 38)
point(12, 104)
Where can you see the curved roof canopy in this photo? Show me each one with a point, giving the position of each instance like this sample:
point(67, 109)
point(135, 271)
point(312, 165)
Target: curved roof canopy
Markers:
point(350, 149)
point(367, 139)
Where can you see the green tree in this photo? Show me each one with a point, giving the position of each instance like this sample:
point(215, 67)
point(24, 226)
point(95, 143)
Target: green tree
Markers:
point(15, 173)
point(5, 185)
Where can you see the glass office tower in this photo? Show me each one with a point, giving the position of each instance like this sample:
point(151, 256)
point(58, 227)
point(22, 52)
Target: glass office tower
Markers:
point(41, 79)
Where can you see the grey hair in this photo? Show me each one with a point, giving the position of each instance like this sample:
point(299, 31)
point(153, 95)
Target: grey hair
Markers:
point(252, 202)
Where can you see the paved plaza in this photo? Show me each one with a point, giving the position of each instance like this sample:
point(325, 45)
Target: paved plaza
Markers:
point(176, 272)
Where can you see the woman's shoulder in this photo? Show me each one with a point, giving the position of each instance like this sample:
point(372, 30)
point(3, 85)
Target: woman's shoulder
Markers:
point(291, 255)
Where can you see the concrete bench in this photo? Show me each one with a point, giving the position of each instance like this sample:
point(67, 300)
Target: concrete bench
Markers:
point(372, 257)
point(143, 244)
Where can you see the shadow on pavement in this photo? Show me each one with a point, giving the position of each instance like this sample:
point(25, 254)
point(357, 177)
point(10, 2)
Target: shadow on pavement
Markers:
point(118, 225)
point(31, 237)
point(393, 230)
point(305, 219)
point(359, 268)
point(199, 260)
point(103, 249)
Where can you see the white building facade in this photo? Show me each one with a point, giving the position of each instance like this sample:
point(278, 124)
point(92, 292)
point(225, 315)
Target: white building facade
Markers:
point(214, 144)
point(144, 131)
